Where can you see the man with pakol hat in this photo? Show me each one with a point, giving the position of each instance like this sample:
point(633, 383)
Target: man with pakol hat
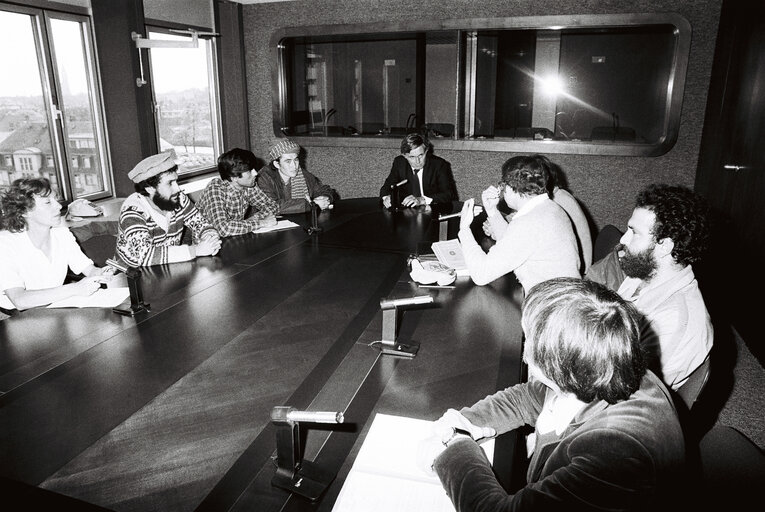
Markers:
point(291, 186)
point(152, 219)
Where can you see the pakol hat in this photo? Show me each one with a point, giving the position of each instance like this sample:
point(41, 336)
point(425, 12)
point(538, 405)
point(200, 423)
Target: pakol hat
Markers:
point(282, 147)
point(153, 165)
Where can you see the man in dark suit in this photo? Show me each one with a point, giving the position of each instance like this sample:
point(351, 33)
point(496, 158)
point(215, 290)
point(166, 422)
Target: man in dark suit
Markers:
point(429, 178)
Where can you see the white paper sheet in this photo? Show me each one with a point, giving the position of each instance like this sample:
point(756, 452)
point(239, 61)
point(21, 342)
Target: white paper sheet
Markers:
point(385, 475)
point(280, 224)
point(103, 298)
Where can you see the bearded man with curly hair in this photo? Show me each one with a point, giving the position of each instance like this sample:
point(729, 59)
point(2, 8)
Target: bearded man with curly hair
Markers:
point(667, 232)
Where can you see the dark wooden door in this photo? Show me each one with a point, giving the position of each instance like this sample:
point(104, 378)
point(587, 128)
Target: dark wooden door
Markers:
point(731, 173)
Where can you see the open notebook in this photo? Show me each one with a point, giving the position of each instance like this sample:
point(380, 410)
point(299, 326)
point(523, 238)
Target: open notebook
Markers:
point(385, 476)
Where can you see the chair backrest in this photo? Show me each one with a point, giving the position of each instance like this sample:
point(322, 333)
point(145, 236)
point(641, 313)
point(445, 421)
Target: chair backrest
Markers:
point(605, 241)
point(693, 387)
point(732, 470)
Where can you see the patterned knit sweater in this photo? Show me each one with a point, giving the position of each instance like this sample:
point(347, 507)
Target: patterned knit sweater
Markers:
point(146, 237)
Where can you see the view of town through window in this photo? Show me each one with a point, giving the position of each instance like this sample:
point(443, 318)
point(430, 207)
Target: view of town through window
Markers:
point(49, 110)
point(185, 110)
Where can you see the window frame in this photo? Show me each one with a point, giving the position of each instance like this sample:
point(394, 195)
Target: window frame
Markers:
point(675, 90)
point(52, 95)
point(213, 86)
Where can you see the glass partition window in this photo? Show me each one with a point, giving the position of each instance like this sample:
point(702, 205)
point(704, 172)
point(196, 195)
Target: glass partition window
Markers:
point(186, 101)
point(608, 86)
point(51, 123)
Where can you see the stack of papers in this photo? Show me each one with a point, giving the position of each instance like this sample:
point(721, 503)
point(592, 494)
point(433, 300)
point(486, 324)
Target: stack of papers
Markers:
point(385, 475)
point(449, 253)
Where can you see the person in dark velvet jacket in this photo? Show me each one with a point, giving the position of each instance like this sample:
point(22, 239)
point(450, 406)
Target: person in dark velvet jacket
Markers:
point(436, 175)
point(607, 436)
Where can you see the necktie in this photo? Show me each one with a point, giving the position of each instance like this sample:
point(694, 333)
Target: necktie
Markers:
point(416, 192)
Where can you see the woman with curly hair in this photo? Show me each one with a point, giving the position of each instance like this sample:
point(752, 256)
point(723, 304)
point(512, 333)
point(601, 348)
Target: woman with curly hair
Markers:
point(36, 250)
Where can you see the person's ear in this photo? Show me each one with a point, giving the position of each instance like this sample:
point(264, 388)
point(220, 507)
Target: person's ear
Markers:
point(276, 164)
point(665, 246)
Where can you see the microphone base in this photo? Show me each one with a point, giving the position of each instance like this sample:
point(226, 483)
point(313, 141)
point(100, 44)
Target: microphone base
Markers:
point(309, 481)
point(408, 350)
point(133, 310)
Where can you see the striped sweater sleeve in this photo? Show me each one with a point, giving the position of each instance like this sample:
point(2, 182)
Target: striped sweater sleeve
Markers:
point(193, 219)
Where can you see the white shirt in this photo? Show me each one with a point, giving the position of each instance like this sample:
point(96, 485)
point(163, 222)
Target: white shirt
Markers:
point(675, 328)
point(22, 265)
point(418, 173)
point(538, 244)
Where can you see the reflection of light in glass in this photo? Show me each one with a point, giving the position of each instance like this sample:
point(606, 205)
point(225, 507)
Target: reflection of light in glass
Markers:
point(561, 92)
point(551, 86)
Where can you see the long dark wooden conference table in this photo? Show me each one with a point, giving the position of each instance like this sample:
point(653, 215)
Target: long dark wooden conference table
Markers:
point(170, 410)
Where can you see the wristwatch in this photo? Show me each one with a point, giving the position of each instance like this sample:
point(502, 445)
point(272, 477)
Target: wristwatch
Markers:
point(456, 432)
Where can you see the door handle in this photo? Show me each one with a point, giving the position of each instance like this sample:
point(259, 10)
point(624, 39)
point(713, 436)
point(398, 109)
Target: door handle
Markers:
point(733, 167)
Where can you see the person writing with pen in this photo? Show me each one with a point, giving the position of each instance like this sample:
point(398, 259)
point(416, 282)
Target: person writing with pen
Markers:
point(36, 250)
point(537, 244)
point(607, 436)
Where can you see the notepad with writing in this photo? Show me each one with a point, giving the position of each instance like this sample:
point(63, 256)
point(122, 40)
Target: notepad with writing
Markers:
point(385, 475)
point(449, 253)
point(280, 224)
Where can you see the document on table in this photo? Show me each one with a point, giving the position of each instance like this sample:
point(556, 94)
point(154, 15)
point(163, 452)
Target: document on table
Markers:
point(103, 298)
point(449, 253)
point(385, 475)
point(280, 224)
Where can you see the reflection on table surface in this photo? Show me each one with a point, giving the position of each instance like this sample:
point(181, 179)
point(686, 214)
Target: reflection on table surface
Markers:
point(169, 410)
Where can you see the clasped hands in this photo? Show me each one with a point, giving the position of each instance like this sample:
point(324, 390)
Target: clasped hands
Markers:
point(208, 246)
point(322, 202)
point(490, 199)
point(446, 430)
point(409, 201)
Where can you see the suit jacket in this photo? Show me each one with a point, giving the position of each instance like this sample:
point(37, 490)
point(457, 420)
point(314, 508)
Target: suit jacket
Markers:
point(623, 456)
point(437, 179)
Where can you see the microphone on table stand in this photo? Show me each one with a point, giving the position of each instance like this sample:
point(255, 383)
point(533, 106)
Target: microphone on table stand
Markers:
point(395, 194)
point(298, 476)
point(314, 216)
point(137, 305)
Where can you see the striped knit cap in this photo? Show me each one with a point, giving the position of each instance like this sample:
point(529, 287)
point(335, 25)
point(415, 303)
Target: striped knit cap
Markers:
point(282, 147)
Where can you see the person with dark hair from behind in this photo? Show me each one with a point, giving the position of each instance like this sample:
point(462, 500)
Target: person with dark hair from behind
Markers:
point(152, 219)
point(36, 250)
point(429, 177)
point(537, 244)
point(607, 434)
point(285, 181)
point(667, 232)
point(227, 200)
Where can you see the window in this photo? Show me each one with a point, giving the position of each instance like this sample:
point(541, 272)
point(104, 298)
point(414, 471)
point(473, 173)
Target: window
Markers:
point(53, 99)
point(609, 85)
point(186, 102)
